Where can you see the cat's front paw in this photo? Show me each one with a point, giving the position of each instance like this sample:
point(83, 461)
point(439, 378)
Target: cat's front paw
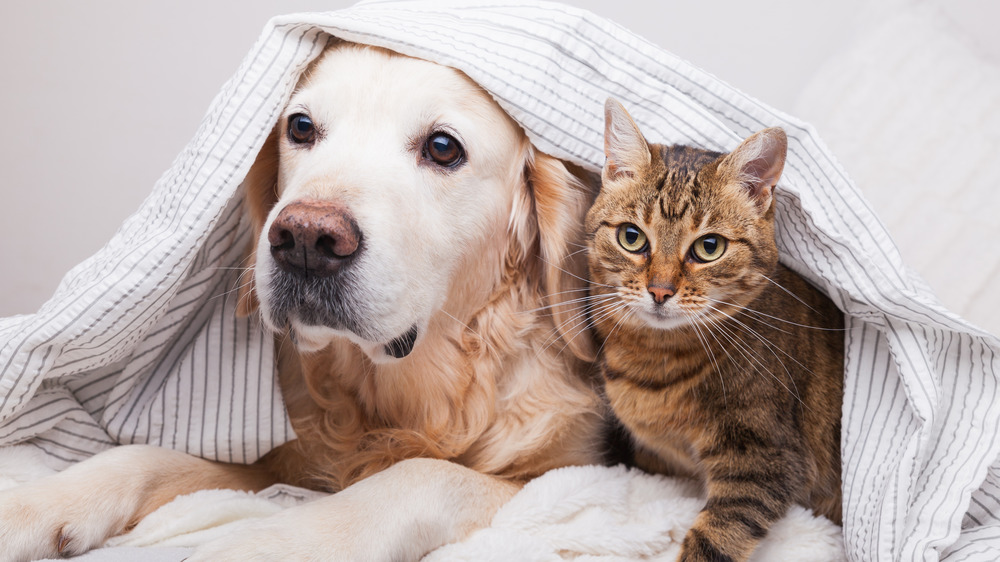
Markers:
point(716, 545)
point(696, 548)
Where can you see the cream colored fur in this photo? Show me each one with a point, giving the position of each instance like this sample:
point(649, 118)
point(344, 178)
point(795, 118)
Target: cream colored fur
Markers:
point(493, 393)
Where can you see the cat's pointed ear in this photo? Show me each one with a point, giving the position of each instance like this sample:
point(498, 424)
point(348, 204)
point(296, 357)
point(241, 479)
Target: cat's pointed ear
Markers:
point(756, 164)
point(625, 149)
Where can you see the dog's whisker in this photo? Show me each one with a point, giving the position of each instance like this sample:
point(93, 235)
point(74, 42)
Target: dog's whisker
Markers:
point(493, 351)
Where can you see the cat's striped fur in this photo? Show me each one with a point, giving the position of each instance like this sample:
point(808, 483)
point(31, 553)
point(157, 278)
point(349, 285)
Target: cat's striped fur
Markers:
point(729, 369)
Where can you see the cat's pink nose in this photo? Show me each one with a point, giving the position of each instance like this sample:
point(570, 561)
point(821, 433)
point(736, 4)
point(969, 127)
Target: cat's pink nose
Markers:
point(661, 292)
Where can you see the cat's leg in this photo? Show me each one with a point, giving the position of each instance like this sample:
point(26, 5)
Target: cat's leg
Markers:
point(76, 510)
point(752, 477)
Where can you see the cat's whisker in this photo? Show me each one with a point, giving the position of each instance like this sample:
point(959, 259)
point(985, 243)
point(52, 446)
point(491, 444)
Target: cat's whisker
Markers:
point(696, 323)
point(576, 320)
point(749, 353)
point(771, 347)
point(585, 311)
point(586, 299)
point(569, 291)
point(578, 305)
point(555, 304)
point(730, 331)
point(740, 308)
point(606, 311)
point(738, 343)
point(586, 325)
point(725, 349)
point(779, 319)
point(791, 294)
point(628, 314)
point(587, 322)
point(575, 325)
point(573, 275)
point(770, 344)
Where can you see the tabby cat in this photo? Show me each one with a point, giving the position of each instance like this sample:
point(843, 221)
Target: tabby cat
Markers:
point(721, 363)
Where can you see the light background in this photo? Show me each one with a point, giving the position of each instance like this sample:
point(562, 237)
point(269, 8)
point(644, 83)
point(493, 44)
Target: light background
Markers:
point(99, 97)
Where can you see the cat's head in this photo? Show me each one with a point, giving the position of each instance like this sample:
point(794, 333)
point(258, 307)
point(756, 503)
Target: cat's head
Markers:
point(679, 234)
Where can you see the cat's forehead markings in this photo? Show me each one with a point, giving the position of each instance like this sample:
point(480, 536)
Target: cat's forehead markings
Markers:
point(642, 209)
point(703, 224)
point(675, 210)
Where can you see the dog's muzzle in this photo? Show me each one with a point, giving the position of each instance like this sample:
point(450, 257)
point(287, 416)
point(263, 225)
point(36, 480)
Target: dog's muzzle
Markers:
point(313, 242)
point(313, 238)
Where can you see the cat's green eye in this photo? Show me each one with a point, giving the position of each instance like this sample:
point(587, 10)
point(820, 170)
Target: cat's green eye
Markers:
point(631, 238)
point(708, 248)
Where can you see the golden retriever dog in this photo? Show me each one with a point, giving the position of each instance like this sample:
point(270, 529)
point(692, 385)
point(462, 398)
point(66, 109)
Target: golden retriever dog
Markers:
point(416, 257)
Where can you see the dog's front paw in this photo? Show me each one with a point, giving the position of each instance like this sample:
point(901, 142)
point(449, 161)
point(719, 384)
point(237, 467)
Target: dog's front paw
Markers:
point(24, 532)
point(255, 542)
point(73, 511)
point(324, 529)
point(38, 521)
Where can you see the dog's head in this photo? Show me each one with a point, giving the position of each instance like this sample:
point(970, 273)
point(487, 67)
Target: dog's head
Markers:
point(390, 192)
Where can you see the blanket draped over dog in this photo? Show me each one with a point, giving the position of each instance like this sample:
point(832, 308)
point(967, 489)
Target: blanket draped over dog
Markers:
point(140, 343)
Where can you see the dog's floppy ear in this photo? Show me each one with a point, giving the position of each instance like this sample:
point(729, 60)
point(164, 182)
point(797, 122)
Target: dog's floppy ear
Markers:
point(260, 187)
point(561, 202)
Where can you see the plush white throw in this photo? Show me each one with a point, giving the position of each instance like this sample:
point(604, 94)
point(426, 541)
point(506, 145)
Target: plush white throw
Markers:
point(582, 512)
point(139, 343)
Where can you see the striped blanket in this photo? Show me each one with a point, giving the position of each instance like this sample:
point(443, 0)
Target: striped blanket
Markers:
point(139, 344)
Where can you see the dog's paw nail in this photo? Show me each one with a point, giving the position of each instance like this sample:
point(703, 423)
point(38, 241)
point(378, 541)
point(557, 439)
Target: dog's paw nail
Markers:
point(62, 543)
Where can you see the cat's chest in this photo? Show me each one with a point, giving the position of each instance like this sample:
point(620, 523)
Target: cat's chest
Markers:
point(658, 398)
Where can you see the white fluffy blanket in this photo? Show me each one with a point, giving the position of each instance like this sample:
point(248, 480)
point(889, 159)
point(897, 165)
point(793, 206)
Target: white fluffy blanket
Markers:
point(140, 344)
point(581, 513)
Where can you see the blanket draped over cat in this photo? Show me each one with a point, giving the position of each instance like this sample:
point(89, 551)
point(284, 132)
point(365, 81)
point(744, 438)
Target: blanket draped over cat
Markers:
point(140, 343)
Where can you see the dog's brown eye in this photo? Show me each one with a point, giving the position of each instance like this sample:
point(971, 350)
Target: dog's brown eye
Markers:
point(301, 129)
point(444, 150)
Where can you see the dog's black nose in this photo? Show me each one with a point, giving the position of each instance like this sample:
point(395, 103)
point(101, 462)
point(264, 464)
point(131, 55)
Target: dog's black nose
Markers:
point(313, 237)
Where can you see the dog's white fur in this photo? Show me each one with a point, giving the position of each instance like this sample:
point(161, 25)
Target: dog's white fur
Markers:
point(476, 256)
point(420, 222)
